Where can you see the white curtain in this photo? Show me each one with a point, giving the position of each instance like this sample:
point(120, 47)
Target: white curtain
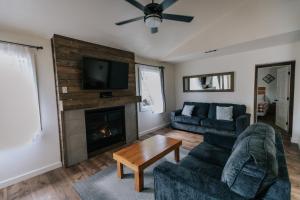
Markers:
point(19, 103)
point(152, 89)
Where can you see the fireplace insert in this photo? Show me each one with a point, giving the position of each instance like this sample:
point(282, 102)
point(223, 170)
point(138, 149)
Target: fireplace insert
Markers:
point(104, 128)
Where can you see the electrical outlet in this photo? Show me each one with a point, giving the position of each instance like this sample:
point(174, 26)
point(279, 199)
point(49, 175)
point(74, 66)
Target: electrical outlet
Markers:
point(64, 90)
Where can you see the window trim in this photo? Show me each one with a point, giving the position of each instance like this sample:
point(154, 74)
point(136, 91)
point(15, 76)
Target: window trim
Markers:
point(162, 76)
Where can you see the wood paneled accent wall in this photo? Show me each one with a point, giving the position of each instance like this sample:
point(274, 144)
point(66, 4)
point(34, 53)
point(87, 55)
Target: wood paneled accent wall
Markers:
point(68, 54)
point(67, 57)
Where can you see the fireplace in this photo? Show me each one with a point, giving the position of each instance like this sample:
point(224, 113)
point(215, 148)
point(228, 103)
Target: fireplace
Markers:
point(104, 128)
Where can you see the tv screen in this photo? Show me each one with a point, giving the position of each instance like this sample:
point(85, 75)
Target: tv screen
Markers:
point(102, 74)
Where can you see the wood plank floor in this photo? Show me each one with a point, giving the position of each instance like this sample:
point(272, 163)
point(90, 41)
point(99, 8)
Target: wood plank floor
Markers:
point(57, 184)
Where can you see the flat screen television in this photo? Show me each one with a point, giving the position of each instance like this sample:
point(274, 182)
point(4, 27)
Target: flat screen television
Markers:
point(101, 74)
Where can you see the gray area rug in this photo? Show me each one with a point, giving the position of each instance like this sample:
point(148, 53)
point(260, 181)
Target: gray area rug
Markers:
point(105, 185)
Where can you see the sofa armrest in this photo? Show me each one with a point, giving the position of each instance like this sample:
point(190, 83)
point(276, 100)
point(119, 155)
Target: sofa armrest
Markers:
point(242, 122)
point(220, 140)
point(175, 113)
point(173, 181)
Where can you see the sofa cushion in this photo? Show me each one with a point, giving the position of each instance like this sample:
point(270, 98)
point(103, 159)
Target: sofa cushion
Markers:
point(252, 166)
point(201, 167)
point(200, 109)
point(188, 120)
point(258, 128)
point(237, 109)
point(218, 124)
point(224, 113)
point(211, 154)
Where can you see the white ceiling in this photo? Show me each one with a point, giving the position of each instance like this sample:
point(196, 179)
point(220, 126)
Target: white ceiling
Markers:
point(217, 23)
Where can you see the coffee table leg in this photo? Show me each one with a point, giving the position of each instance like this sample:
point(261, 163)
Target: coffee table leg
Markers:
point(120, 170)
point(177, 157)
point(139, 180)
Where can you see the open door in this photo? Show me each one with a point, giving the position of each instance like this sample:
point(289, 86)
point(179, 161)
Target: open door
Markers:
point(282, 98)
point(274, 95)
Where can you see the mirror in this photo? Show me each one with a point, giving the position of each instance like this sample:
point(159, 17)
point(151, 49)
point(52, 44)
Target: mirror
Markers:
point(219, 82)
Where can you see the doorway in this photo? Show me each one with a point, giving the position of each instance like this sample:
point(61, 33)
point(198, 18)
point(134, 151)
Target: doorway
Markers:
point(274, 95)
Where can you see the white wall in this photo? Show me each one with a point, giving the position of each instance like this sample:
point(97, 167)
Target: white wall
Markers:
point(148, 121)
point(28, 160)
point(243, 64)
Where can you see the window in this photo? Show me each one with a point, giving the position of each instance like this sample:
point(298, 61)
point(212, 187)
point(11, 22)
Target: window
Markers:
point(151, 85)
point(19, 106)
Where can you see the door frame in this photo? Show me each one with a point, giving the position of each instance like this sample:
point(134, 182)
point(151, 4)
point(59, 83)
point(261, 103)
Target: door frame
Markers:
point(292, 89)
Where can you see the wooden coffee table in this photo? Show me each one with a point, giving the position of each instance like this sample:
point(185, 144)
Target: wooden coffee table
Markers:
point(140, 155)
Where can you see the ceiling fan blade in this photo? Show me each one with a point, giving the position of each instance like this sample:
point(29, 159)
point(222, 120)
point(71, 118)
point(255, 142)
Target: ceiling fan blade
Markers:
point(167, 3)
point(136, 4)
point(129, 20)
point(181, 18)
point(154, 30)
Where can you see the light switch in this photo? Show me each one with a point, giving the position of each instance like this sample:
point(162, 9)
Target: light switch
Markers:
point(64, 90)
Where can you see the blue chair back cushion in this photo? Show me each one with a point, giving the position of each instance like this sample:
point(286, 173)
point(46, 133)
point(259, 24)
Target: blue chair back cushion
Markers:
point(258, 128)
point(200, 109)
point(237, 109)
point(252, 166)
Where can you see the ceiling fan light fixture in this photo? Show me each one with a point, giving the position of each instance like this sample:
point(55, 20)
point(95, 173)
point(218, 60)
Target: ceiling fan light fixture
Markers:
point(153, 21)
point(154, 14)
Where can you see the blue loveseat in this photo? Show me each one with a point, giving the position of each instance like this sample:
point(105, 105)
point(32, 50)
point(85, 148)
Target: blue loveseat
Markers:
point(203, 119)
point(251, 167)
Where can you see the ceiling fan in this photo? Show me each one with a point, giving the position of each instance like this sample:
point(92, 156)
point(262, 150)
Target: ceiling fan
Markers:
point(154, 14)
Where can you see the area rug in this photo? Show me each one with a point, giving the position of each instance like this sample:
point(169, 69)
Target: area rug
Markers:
point(105, 185)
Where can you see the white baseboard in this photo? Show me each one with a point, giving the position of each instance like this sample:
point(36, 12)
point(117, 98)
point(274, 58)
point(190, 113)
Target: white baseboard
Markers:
point(153, 129)
point(28, 175)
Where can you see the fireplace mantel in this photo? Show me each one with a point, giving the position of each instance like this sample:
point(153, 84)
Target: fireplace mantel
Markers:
point(98, 103)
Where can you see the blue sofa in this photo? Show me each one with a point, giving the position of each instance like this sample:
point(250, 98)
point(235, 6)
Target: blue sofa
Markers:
point(203, 119)
point(251, 167)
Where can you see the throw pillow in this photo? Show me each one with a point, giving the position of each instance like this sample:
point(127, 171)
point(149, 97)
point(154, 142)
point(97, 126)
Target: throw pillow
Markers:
point(187, 110)
point(224, 113)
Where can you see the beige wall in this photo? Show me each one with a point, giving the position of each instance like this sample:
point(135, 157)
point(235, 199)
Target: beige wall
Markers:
point(243, 64)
